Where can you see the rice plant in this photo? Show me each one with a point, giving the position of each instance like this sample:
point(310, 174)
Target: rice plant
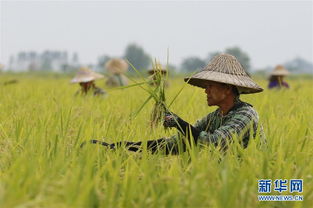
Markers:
point(42, 125)
point(158, 82)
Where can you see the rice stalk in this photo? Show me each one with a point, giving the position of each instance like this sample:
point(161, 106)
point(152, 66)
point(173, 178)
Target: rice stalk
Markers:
point(159, 107)
point(156, 91)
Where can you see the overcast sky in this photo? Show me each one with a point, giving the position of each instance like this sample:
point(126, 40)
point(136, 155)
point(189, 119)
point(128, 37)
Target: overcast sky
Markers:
point(270, 32)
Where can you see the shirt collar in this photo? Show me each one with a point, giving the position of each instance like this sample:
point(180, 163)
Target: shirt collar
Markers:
point(237, 104)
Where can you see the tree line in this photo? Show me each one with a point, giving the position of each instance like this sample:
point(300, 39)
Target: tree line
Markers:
point(136, 55)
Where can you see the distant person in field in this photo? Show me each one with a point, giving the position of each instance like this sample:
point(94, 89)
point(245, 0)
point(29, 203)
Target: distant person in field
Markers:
point(223, 80)
point(116, 67)
point(86, 79)
point(276, 80)
point(157, 70)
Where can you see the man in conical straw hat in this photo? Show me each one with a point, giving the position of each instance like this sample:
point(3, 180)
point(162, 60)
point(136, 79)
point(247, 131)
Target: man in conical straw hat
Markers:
point(86, 77)
point(223, 80)
point(117, 67)
point(276, 79)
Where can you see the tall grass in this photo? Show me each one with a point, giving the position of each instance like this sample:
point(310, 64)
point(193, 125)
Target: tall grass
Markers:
point(41, 164)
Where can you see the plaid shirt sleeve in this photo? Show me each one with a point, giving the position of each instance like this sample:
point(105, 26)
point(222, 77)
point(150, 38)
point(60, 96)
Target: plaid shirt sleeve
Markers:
point(238, 123)
point(204, 123)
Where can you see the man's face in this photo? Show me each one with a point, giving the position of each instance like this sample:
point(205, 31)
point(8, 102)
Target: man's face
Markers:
point(85, 85)
point(216, 93)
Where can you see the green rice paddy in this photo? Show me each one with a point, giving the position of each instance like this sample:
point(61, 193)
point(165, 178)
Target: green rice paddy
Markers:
point(42, 125)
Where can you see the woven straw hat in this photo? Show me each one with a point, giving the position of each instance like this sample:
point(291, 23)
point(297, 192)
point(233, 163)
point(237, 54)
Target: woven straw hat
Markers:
point(116, 66)
point(280, 70)
point(86, 75)
point(225, 68)
point(157, 67)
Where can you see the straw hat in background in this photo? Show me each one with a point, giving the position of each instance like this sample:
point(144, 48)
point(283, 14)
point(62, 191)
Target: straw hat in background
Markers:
point(279, 70)
point(225, 68)
point(153, 71)
point(86, 75)
point(157, 68)
point(116, 66)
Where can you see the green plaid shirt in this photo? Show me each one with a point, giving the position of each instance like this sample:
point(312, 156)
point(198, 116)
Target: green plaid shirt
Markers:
point(240, 121)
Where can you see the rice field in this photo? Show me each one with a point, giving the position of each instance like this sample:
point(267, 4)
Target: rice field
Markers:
point(42, 125)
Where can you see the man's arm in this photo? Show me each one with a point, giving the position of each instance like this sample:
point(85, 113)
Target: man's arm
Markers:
point(172, 120)
point(238, 125)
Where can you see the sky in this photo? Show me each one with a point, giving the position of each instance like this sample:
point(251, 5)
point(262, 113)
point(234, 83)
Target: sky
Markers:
point(271, 32)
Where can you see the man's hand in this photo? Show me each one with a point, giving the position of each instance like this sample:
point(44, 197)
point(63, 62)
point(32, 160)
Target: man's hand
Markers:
point(171, 120)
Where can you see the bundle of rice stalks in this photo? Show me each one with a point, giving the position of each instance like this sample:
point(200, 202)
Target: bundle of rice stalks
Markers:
point(155, 87)
point(156, 90)
point(158, 79)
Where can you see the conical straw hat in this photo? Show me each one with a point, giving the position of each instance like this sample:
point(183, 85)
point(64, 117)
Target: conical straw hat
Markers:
point(86, 75)
point(280, 70)
point(157, 67)
point(225, 68)
point(116, 66)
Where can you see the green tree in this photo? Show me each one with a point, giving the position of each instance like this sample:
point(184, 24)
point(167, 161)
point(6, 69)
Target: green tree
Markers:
point(137, 57)
point(102, 60)
point(299, 65)
point(191, 64)
point(241, 56)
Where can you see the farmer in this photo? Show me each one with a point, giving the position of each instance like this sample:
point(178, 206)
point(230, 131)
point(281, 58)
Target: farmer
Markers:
point(223, 80)
point(86, 77)
point(117, 68)
point(276, 80)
